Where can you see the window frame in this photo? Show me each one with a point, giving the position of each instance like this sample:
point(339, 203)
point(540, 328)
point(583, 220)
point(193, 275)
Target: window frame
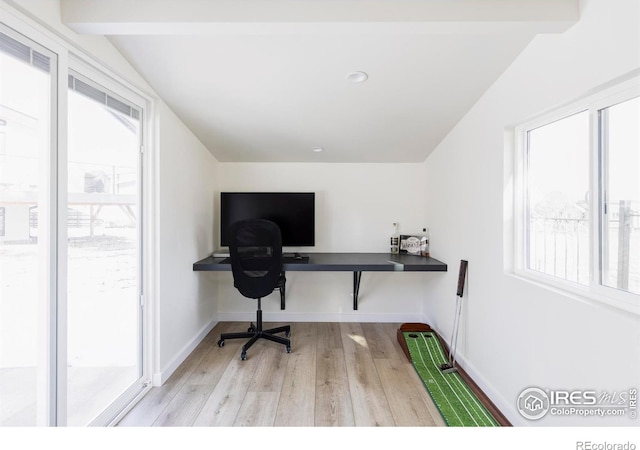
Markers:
point(618, 91)
point(98, 78)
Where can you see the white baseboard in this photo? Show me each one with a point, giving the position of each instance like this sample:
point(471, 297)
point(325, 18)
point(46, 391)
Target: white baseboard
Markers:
point(506, 408)
point(354, 316)
point(159, 378)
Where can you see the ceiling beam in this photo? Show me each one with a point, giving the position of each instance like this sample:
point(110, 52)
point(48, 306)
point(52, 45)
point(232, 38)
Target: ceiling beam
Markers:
point(113, 17)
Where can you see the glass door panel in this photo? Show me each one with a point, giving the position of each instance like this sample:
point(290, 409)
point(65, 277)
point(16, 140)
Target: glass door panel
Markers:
point(25, 153)
point(104, 313)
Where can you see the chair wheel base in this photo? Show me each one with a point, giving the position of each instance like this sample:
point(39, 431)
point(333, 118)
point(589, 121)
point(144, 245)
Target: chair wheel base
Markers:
point(256, 332)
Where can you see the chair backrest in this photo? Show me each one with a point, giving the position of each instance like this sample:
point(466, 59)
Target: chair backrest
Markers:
point(255, 247)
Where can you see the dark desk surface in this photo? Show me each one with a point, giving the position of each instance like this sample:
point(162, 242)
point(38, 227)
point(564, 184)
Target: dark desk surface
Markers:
point(347, 262)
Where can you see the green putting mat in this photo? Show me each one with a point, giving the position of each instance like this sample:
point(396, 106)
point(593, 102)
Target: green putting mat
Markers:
point(459, 406)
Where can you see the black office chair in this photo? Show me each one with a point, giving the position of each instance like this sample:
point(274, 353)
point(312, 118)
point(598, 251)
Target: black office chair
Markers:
point(255, 247)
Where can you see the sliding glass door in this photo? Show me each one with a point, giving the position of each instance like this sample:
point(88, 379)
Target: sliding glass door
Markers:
point(71, 310)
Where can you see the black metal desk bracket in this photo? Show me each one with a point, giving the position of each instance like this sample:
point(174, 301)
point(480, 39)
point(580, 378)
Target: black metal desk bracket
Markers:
point(357, 276)
point(282, 286)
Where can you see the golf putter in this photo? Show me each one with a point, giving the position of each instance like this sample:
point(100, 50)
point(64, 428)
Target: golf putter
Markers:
point(450, 367)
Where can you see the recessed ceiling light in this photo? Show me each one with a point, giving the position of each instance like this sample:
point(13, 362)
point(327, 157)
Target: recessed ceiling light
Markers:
point(357, 77)
point(317, 149)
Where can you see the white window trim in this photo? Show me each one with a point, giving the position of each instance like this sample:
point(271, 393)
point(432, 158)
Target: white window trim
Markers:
point(92, 75)
point(86, 65)
point(617, 91)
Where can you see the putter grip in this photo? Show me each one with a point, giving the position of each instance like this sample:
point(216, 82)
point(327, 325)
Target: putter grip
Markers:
point(462, 275)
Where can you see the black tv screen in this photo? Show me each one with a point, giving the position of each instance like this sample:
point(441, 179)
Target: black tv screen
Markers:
point(294, 212)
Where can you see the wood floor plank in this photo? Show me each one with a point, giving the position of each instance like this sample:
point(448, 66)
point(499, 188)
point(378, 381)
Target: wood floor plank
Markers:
point(296, 406)
point(258, 410)
point(378, 341)
point(333, 399)
point(338, 374)
point(304, 337)
point(269, 375)
point(329, 335)
point(184, 407)
point(222, 406)
point(391, 331)
point(210, 368)
point(407, 405)
point(370, 405)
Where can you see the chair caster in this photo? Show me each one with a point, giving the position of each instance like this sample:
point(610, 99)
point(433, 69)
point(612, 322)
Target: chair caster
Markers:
point(221, 343)
point(288, 349)
point(243, 356)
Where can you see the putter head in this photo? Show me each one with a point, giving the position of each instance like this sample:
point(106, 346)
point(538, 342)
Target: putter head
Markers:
point(447, 368)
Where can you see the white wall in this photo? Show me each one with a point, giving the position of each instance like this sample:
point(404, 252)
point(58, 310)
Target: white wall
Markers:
point(185, 179)
point(356, 205)
point(516, 334)
point(186, 194)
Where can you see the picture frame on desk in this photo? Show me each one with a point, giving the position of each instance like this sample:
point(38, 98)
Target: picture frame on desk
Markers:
point(410, 244)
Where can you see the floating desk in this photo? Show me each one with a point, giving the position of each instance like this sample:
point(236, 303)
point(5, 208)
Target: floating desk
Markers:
point(341, 262)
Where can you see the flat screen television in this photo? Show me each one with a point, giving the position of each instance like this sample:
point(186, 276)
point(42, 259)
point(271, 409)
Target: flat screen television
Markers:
point(294, 212)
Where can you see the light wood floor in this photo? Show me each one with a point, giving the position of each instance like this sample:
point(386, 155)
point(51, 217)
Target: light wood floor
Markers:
point(338, 374)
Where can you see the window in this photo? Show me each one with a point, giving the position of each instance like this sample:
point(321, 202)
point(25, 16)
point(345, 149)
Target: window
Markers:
point(620, 231)
point(578, 200)
point(557, 205)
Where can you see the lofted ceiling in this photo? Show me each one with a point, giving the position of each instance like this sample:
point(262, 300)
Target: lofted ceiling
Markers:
point(266, 80)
